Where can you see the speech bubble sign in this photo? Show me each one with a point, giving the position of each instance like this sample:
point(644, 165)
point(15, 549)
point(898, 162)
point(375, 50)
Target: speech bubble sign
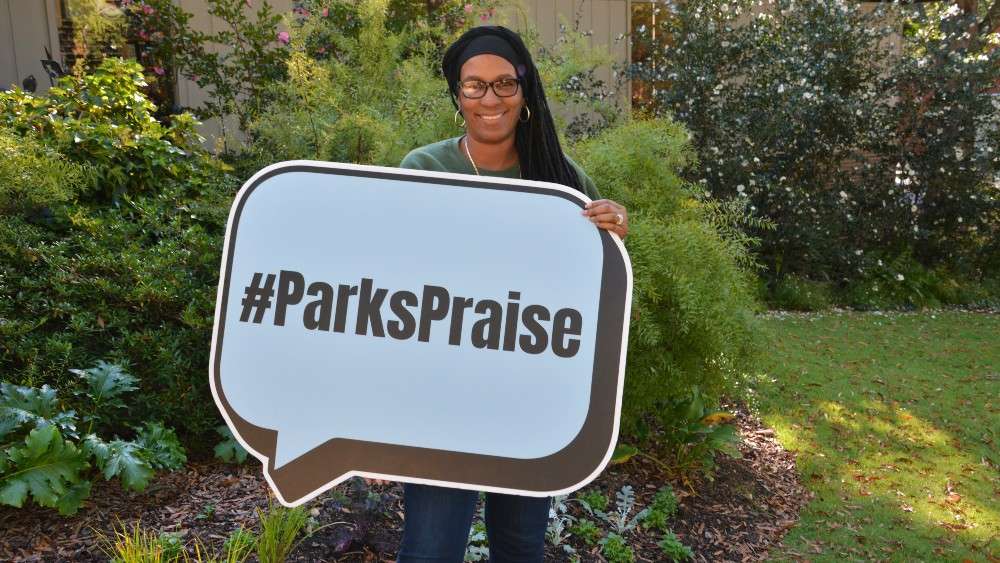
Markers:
point(419, 326)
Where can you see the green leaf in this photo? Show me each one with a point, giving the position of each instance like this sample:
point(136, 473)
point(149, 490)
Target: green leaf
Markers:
point(106, 381)
point(125, 462)
point(229, 450)
point(623, 453)
point(46, 468)
point(160, 446)
point(71, 501)
point(20, 406)
point(94, 446)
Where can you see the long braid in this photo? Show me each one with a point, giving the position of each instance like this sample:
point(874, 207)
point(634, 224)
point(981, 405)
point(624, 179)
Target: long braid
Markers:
point(538, 149)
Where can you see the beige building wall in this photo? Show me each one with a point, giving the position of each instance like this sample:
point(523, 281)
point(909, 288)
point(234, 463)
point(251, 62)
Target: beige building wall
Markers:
point(27, 27)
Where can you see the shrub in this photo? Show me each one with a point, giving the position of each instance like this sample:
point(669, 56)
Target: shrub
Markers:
point(692, 305)
point(800, 294)
point(804, 110)
point(116, 253)
point(44, 456)
point(103, 121)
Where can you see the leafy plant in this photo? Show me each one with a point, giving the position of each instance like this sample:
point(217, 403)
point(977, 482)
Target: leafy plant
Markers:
point(615, 549)
point(673, 549)
point(137, 545)
point(279, 527)
point(586, 530)
point(239, 545)
point(662, 509)
point(54, 464)
point(228, 449)
point(477, 548)
point(558, 528)
point(102, 121)
point(593, 500)
point(693, 434)
point(618, 519)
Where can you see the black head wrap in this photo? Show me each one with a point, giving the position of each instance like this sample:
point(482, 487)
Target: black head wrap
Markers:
point(483, 45)
point(538, 148)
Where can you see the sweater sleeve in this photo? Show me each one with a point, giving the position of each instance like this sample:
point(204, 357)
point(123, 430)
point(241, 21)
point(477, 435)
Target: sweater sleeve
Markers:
point(589, 187)
point(421, 160)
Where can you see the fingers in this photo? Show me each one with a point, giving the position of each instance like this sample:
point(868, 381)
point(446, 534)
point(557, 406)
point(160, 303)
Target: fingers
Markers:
point(608, 215)
point(620, 230)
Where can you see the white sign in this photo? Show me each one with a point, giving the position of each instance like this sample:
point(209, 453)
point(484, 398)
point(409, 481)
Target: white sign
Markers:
point(425, 327)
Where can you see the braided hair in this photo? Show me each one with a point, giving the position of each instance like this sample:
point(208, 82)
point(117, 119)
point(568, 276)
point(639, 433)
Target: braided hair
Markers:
point(538, 149)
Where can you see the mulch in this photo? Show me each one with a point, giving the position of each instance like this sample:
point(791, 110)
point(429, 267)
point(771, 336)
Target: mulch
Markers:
point(739, 516)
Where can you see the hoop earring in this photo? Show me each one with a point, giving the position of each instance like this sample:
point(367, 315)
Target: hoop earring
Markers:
point(525, 120)
point(458, 112)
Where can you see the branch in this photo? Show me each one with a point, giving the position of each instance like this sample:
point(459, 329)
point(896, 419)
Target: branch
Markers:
point(991, 22)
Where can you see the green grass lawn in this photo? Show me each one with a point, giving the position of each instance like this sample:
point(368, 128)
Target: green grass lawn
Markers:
point(896, 422)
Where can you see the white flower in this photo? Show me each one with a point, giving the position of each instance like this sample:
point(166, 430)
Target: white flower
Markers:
point(843, 194)
point(858, 252)
point(899, 277)
point(740, 188)
point(781, 88)
point(880, 262)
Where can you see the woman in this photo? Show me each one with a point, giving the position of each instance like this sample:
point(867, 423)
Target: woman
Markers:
point(509, 133)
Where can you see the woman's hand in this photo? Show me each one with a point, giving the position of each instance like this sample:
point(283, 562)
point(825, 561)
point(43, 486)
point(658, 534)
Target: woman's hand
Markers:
point(608, 215)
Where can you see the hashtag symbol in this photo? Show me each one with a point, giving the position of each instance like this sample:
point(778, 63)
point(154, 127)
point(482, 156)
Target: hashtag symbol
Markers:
point(257, 299)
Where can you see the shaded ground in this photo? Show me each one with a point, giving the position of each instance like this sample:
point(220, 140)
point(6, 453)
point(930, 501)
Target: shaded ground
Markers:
point(737, 517)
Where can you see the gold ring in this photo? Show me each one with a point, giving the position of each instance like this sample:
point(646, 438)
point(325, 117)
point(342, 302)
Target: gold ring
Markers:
point(619, 219)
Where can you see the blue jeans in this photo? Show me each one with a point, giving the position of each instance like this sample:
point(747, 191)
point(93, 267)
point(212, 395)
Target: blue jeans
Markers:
point(436, 527)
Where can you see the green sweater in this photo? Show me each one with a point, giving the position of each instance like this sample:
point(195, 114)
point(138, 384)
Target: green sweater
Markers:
point(448, 156)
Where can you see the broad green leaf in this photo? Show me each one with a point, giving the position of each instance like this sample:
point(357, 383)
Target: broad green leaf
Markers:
point(106, 381)
point(229, 450)
point(21, 406)
point(71, 501)
point(125, 462)
point(623, 453)
point(94, 446)
point(46, 468)
point(160, 446)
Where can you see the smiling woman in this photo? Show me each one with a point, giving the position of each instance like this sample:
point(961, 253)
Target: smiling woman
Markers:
point(509, 132)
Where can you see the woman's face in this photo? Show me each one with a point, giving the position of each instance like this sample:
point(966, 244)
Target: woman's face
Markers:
point(492, 118)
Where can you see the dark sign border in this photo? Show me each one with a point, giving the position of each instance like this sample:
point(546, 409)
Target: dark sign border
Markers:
point(338, 458)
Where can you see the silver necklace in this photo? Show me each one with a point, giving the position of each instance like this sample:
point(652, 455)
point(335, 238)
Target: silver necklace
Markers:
point(469, 154)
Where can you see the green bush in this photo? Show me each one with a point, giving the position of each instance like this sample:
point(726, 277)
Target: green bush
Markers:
point(800, 294)
point(843, 123)
point(111, 243)
point(692, 304)
point(103, 121)
point(33, 176)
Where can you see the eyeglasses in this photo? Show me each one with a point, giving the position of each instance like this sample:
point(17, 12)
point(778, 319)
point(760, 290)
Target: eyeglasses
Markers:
point(502, 87)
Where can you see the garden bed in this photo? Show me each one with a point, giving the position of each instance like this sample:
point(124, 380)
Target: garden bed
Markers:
point(738, 516)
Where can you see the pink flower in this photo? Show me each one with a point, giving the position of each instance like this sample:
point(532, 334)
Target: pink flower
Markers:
point(326, 12)
point(321, 50)
point(283, 37)
point(468, 8)
point(143, 35)
point(158, 70)
point(147, 9)
point(483, 17)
